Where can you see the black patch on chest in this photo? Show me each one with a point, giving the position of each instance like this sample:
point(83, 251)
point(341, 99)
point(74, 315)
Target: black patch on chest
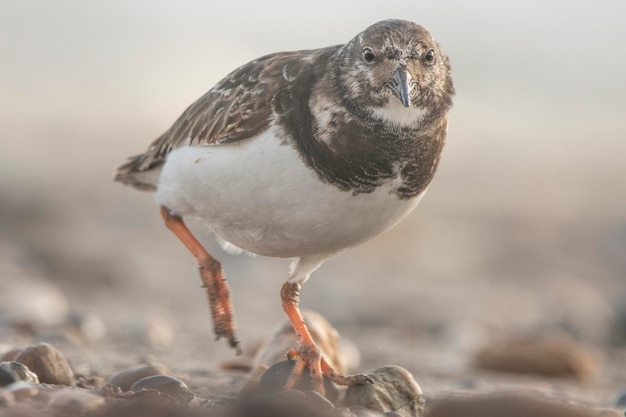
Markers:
point(363, 153)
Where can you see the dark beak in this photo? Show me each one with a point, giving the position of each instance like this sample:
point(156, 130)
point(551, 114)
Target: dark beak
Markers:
point(401, 85)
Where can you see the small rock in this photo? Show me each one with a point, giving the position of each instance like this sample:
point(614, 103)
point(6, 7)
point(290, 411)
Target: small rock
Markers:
point(20, 371)
point(47, 363)
point(10, 355)
point(274, 379)
point(359, 411)
point(551, 355)
point(88, 327)
point(619, 398)
point(22, 390)
point(7, 376)
point(394, 389)
point(288, 403)
point(127, 378)
point(169, 387)
point(7, 399)
point(510, 404)
point(75, 401)
point(33, 303)
point(318, 400)
point(157, 332)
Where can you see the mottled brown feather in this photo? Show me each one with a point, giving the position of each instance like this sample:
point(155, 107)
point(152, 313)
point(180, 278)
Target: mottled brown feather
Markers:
point(236, 108)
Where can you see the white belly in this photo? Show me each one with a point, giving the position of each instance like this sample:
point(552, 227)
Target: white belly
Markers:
point(259, 196)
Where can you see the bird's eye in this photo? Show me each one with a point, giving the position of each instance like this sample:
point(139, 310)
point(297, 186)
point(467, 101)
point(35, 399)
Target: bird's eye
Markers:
point(429, 57)
point(368, 55)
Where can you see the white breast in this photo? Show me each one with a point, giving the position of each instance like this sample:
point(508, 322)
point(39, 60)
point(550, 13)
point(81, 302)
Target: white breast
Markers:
point(258, 195)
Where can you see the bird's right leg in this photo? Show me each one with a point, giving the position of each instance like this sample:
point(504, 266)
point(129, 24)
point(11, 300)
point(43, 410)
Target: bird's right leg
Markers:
point(213, 280)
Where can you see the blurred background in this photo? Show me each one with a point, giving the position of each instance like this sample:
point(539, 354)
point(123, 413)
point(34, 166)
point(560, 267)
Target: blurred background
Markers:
point(523, 229)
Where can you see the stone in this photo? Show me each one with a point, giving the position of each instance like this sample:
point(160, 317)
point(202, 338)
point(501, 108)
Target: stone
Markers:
point(47, 363)
point(510, 404)
point(7, 376)
point(75, 401)
point(10, 355)
point(393, 389)
point(545, 355)
point(169, 387)
point(20, 372)
point(22, 390)
point(127, 378)
point(274, 379)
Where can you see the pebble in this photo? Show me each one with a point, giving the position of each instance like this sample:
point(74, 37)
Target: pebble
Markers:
point(545, 355)
point(20, 372)
point(510, 404)
point(10, 355)
point(169, 387)
point(75, 401)
point(22, 390)
point(157, 332)
point(7, 376)
point(127, 378)
point(47, 363)
point(619, 398)
point(33, 303)
point(288, 403)
point(88, 327)
point(7, 399)
point(393, 390)
point(274, 379)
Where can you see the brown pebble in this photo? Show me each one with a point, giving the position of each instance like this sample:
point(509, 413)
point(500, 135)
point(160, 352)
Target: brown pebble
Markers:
point(393, 389)
point(22, 390)
point(551, 355)
point(47, 363)
point(20, 371)
point(169, 387)
point(76, 401)
point(510, 404)
point(10, 355)
point(7, 399)
point(127, 378)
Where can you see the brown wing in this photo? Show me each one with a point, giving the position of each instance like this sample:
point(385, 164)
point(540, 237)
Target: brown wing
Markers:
point(237, 108)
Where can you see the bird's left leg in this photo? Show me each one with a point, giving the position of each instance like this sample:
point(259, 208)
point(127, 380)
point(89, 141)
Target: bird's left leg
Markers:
point(308, 354)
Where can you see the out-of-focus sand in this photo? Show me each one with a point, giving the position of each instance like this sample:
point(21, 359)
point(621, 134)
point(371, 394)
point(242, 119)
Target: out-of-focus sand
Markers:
point(523, 229)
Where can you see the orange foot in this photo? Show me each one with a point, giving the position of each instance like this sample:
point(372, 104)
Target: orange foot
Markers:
point(213, 280)
point(308, 355)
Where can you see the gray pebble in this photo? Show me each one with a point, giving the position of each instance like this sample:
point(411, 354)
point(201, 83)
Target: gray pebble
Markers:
point(619, 398)
point(20, 372)
point(169, 387)
point(47, 363)
point(7, 376)
point(393, 390)
point(274, 379)
point(127, 378)
point(75, 401)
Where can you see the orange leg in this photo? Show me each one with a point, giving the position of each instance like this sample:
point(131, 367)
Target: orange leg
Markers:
point(308, 354)
point(213, 280)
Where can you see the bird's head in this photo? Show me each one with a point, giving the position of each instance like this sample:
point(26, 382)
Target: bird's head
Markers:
point(395, 70)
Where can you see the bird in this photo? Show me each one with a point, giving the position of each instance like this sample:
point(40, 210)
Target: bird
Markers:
point(302, 155)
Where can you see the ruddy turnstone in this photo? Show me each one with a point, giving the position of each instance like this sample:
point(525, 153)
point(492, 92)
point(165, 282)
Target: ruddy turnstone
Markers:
point(302, 155)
